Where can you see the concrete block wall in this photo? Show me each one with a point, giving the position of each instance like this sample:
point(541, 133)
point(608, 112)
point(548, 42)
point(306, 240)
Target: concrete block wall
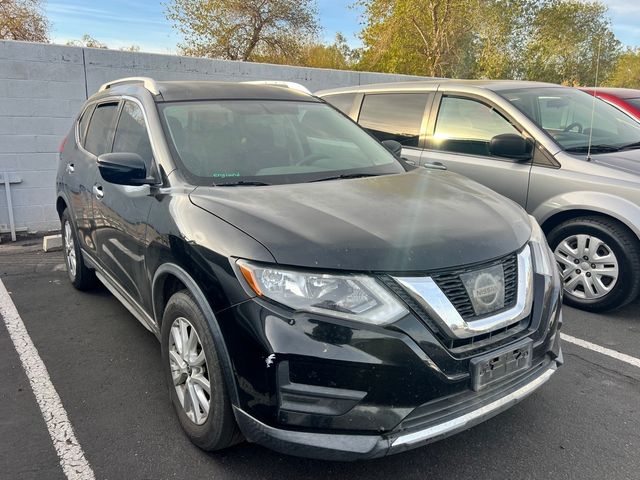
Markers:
point(43, 86)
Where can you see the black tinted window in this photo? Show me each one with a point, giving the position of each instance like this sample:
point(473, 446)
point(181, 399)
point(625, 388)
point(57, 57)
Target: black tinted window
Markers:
point(131, 134)
point(342, 101)
point(84, 121)
point(100, 133)
point(394, 116)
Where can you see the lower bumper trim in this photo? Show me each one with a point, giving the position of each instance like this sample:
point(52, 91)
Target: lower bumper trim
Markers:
point(469, 419)
point(345, 447)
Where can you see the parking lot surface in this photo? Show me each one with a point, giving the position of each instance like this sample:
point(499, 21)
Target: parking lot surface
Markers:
point(583, 424)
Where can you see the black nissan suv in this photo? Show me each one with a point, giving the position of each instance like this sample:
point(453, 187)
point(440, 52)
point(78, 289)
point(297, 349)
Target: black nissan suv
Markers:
point(311, 291)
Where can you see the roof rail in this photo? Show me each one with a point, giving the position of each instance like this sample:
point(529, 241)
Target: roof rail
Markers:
point(148, 83)
point(281, 83)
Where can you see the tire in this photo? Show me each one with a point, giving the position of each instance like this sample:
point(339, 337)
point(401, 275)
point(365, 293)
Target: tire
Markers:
point(218, 429)
point(80, 276)
point(615, 280)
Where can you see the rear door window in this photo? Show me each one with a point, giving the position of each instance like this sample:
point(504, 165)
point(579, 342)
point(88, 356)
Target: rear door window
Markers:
point(131, 134)
point(394, 116)
point(100, 131)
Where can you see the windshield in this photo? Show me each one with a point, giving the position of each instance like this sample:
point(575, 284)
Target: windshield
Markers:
point(253, 142)
point(565, 114)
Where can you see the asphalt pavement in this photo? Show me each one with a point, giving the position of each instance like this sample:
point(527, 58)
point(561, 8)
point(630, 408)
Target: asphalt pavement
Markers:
point(583, 424)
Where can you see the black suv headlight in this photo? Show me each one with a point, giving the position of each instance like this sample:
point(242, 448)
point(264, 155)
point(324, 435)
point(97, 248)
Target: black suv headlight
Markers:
point(354, 297)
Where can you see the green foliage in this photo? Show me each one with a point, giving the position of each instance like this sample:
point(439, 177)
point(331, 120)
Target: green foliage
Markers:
point(337, 55)
point(420, 37)
point(501, 31)
point(626, 71)
point(557, 41)
point(567, 38)
point(243, 29)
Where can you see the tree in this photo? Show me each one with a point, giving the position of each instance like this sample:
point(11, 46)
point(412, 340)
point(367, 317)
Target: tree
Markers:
point(421, 37)
point(626, 71)
point(502, 28)
point(87, 41)
point(337, 55)
point(23, 20)
point(569, 39)
point(243, 29)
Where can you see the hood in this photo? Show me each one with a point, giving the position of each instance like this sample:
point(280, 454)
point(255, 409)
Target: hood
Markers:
point(626, 160)
point(421, 220)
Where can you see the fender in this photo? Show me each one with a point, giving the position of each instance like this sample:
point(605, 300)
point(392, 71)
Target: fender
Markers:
point(201, 300)
point(616, 207)
point(62, 195)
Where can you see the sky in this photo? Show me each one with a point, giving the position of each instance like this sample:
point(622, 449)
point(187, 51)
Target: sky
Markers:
point(121, 23)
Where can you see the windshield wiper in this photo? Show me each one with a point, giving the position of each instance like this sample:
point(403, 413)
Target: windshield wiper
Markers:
point(347, 175)
point(241, 183)
point(594, 149)
point(630, 146)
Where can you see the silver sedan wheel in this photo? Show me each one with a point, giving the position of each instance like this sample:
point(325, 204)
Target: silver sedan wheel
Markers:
point(70, 250)
point(588, 266)
point(189, 370)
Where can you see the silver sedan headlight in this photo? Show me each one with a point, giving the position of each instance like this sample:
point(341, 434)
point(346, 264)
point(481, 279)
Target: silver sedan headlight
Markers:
point(353, 297)
point(543, 259)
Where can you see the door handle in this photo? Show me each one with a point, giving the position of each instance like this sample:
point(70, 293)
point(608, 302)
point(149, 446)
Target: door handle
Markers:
point(98, 192)
point(71, 168)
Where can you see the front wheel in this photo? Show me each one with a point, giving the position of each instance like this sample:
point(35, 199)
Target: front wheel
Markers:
point(599, 261)
point(194, 375)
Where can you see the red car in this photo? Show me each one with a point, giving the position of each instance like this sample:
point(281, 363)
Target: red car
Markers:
point(625, 99)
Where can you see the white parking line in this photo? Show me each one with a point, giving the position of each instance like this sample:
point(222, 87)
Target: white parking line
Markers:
point(72, 460)
point(623, 357)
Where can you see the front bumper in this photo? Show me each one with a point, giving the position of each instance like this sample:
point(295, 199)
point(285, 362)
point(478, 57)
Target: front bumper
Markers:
point(426, 424)
point(325, 388)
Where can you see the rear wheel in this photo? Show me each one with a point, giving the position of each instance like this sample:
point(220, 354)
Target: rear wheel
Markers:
point(194, 376)
point(599, 261)
point(80, 276)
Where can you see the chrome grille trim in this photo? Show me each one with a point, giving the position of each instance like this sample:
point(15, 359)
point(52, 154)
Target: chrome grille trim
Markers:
point(427, 293)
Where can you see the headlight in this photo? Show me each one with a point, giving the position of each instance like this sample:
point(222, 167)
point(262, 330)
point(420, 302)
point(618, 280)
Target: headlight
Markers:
point(354, 297)
point(543, 259)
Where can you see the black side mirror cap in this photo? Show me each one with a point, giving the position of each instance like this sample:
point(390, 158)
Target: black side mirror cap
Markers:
point(394, 147)
point(510, 145)
point(124, 168)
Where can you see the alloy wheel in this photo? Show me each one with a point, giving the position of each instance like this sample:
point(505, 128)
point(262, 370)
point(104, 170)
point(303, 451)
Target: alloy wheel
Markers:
point(588, 266)
point(70, 250)
point(189, 370)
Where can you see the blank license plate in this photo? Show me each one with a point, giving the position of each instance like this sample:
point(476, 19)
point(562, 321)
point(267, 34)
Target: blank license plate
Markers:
point(499, 365)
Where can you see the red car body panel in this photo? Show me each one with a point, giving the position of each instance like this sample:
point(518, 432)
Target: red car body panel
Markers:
point(618, 97)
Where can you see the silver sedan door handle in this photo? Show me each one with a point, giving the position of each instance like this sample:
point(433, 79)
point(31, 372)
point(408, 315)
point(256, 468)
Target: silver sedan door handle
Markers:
point(98, 192)
point(71, 168)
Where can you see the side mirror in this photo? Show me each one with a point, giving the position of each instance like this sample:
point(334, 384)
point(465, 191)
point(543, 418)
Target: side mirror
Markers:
point(510, 145)
point(123, 169)
point(394, 147)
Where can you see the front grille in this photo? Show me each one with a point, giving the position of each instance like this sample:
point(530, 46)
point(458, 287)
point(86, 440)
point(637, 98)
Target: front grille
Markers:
point(452, 286)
